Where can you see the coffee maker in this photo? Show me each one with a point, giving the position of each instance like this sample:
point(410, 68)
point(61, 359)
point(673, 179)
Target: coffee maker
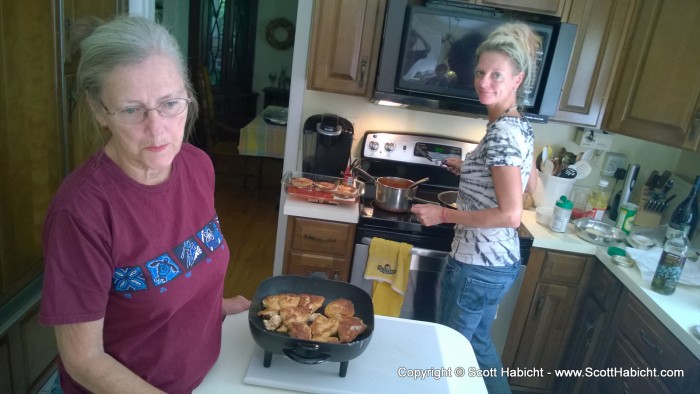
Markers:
point(326, 145)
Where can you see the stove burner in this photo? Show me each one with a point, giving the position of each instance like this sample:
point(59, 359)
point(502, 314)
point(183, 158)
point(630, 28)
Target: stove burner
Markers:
point(379, 213)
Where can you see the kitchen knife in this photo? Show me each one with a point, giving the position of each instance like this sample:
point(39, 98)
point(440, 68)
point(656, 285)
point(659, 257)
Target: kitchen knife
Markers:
point(662, 179)
point(668, 186)
point(651, 181)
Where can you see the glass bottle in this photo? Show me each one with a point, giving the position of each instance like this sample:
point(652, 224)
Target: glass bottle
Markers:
point(685, 216)
point(671, 263)
point(598, 200)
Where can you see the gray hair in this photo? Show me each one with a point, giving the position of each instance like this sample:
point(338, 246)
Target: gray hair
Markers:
point(124, 41)
point(520, 44)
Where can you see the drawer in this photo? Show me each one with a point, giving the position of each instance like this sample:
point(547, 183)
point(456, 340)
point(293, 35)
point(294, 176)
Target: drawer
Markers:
point(604, 287)
point(563, 267)
point(320, 236)
point(656, 344)
point(318, 266)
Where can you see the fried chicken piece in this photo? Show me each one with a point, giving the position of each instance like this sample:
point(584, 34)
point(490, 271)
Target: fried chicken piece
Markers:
point(268, 313)
point(349, 328)
point(340, 308)
point(310, 301)
point(272, 323)
point(299, 331)
point(324, 327)
point(326, 339)
point(294, 314)
point(313, 317)
point(279, 301)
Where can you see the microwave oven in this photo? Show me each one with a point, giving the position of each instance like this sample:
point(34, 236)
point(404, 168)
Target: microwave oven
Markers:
point(428, 54)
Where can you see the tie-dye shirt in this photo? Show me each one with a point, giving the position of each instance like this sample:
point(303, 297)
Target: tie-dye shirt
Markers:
point(508, 142)
point(149, 260)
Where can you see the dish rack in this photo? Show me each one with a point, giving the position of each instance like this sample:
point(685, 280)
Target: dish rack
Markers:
point(316, 195)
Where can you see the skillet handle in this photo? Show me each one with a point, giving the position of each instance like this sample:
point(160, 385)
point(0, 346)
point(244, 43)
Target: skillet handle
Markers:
point(364, 174)
point(306, 353)
point(422, 201)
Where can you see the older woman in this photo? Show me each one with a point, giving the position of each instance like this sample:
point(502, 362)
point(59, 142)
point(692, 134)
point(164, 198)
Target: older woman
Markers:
point(485, 257)
point(135, 259)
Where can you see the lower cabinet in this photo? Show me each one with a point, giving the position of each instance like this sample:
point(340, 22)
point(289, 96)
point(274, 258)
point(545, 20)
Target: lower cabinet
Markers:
point(546, 310)
point(318, 248)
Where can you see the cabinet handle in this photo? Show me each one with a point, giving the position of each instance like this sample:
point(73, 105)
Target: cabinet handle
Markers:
point(363, 71)
point(538, 309)
point(314, 238)
point(590, 327)
point(649, 342)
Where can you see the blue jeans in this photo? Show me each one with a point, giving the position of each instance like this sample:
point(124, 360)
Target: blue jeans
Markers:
point(468, 299)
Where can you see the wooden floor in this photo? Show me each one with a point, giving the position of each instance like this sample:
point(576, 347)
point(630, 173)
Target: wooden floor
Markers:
point(248, 216)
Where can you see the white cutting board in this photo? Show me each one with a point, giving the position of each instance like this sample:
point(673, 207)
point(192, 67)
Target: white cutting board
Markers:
point(395, 343)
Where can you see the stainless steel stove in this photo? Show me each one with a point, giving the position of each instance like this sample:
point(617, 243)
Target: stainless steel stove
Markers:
point(413, 156)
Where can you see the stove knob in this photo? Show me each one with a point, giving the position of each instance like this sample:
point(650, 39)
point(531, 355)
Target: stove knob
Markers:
point(389, 146)
point(373, 145)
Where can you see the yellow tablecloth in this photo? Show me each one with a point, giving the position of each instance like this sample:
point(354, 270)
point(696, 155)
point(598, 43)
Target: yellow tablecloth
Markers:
point(259, 138)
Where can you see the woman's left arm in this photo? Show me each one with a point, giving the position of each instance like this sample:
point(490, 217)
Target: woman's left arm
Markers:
point(234, 305)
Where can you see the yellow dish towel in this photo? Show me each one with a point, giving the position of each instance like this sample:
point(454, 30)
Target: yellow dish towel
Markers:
point(388, 266)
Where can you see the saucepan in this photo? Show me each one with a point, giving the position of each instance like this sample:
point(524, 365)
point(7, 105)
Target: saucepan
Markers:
point(394, 194)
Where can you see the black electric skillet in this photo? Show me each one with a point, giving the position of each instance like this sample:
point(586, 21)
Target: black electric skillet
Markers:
point(303, 351)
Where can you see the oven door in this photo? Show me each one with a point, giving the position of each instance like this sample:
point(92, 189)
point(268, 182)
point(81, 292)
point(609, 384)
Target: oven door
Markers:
point(420, 300)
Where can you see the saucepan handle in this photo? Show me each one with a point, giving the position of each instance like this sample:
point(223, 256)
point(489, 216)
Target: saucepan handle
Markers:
point(306, 353)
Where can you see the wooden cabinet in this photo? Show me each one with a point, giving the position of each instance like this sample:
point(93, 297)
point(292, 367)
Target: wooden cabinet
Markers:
point(547, 7)
point(655, 96)
point(344, 46)
point(318, 248)
point(591, 330)
point(601, 25)
point(642, 341)
point(545, 312)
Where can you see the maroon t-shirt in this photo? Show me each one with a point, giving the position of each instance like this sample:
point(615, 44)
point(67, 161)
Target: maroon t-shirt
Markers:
point(150, 260)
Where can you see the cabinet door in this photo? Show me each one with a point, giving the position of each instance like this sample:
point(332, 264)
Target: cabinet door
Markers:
point(548, 7)
point(657, 85)
point(319, 266)
point(542, 341)
point(345, 45)
point(601, 26)
point(623, 357)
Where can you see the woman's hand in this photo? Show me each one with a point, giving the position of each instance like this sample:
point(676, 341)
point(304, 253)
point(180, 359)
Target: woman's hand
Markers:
point(454, 165)
point(234, 305)
point(428, 214)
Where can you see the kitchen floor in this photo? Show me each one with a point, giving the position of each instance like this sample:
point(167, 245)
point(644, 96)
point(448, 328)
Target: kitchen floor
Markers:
point(248, 215)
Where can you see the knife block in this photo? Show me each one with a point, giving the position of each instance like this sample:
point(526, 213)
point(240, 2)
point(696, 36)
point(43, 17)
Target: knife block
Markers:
point(646, 218)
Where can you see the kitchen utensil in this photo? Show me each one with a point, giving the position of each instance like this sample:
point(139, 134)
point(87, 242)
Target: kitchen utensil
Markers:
point(449, 198)
point(651, 181)
point(668, 186)
point(548, 167)
point(661, 181)
point(583, 169)
point(597, 232)
point(418, 182)
point(304, 351)
point(569, 172)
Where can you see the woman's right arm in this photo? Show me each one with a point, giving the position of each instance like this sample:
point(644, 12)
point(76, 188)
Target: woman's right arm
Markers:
point(82, 354)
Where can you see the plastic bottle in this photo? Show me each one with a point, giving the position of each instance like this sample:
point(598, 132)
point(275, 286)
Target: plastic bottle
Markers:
point(561, 215)
point(685, 216)
point(671, 263)
point(598, 200)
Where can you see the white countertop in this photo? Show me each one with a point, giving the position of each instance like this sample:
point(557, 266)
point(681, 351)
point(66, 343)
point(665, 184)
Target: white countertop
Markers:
point(346, 213)
point(416, 345)
point(678, 312)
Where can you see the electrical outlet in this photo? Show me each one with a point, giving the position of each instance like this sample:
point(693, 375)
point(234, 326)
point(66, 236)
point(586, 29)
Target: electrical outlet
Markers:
point(594, 139)
point(612, 162)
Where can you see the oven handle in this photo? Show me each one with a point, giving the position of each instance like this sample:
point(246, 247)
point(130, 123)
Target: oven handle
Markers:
point(416, 251)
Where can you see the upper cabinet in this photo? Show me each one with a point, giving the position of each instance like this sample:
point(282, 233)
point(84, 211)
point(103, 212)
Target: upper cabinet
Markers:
point(344, 45)
point(657, 85)
point(547, 7)
point(601, 26)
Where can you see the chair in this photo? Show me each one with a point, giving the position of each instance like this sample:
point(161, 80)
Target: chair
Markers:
point(220, 137)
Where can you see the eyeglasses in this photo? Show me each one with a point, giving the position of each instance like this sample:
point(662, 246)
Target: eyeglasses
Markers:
point(137, 114)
